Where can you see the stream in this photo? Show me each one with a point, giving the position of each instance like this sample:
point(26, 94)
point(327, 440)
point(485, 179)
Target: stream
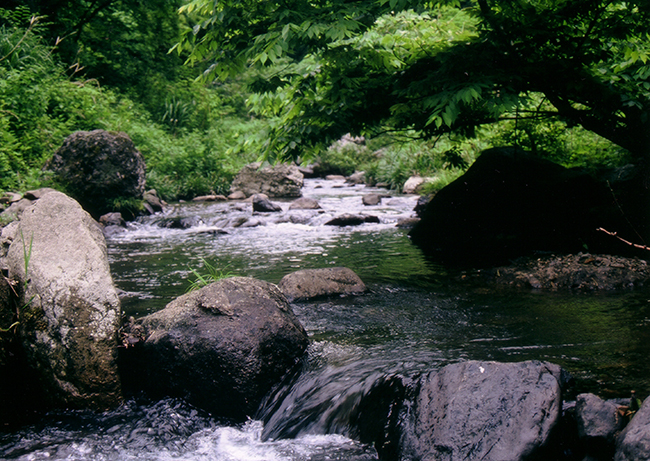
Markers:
point(415, 317)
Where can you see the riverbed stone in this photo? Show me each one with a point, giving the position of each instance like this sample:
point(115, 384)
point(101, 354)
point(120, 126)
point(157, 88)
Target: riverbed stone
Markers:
point(356, 178)
point(262, 204)
point(414, 184)
point(312, 283)
point(483, 410)
point(598, 423)
point(70, 310)
point(222, 348)
point(633, 444)
point(305, 203)
point(580, 272)
point(350, 219)
point(371, 199)
point(152, 203)
point(99, 168)
point(281, 180)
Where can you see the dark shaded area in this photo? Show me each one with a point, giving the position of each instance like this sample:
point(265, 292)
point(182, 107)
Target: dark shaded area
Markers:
point(511, 203)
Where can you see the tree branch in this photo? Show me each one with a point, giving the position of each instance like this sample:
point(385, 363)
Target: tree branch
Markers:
point(627, 242)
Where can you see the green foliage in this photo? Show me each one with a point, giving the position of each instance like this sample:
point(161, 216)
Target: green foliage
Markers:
point(194, 139)
point(345, 157)
point(434, 67)
point(212, 274)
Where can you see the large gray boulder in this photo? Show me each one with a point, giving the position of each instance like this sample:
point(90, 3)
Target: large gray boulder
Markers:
point(633, 444)
point(312, 283)
point(484, 411)
point(281, 180)
point(99, 168)
point(71, 312)
point(222, 348)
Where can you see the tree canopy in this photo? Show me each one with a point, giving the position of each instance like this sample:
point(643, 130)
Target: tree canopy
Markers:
point(328, 67)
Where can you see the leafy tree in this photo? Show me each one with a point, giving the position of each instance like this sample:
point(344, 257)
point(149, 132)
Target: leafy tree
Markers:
point(120, 43)
point(366, 66)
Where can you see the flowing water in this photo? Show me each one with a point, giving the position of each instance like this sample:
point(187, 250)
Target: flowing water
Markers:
point(416, 316)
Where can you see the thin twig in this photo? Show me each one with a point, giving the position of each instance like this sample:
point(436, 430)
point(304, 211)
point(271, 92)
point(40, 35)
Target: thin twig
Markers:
point(627, 242)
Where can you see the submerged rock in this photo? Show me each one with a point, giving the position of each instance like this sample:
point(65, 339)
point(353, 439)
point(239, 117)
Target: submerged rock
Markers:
point(222, 348)
point(312, 283)
point(71, 312)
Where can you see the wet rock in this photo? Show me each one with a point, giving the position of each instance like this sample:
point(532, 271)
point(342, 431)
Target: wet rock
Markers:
point(348, 219)
point(407, 223)
point(210, 198)
point(112, 219)
point(222, 348)
point(358, 177)
point(421, 204)
point(275, 181)
point(582, 271)
point(98, 168)
point(180, 222)
point(484, 410)
point(312, 283)
point(598, 423)
point(152, 202)
point(304, 203)
point(633, 443)
point(263, 205)
point(71, 313)
point(308, 171)
point(371, 199)
point(335, 177)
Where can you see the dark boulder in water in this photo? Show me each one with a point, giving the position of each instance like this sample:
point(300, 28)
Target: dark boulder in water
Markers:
point(348, 219)
point(511, 203)
point(221, 348)
point(484, 410)
point(262, 204)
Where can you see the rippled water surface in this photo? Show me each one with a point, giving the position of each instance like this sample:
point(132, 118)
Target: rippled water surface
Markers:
point(415, 317)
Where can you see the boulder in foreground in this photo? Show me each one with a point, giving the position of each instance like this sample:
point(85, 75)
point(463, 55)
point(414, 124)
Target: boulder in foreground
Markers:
point(222, 348)
point(70, 312)
point(484, 410)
